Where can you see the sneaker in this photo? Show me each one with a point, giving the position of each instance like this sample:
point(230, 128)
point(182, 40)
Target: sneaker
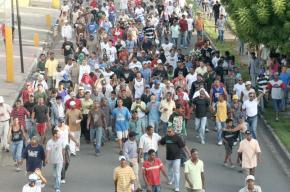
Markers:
point(57, 190)
point(169, 183)
point(202, 142)
point(206, 130)
point(225, 165)
point(18, 169)
point(277, 119)
point(176, 189)
point(220, 143)
point(63, 181)
point(235, 143)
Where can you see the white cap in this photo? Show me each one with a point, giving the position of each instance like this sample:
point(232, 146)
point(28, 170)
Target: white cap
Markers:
point(122, 158)
point(248, 83)
point(250, 177)
point(1, 99)
point(159, 61)
point(33, 177)
point(72, 103)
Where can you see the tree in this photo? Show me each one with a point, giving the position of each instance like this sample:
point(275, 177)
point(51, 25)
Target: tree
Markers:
point(262, 21)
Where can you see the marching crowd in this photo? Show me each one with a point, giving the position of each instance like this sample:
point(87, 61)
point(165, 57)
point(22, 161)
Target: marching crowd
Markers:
point(134, 74)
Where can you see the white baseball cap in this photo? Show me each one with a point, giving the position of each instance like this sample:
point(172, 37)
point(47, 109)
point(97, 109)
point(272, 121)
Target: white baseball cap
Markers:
point(72, 103)
point(248, 83)
point(33, 177)
point(122, 158)
point(250, 177)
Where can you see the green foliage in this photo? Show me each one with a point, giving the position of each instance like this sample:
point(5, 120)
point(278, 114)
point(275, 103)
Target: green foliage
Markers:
point(262, 21)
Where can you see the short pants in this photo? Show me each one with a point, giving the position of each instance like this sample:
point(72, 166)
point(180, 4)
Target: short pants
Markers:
point(41, 127)
point(122, 134)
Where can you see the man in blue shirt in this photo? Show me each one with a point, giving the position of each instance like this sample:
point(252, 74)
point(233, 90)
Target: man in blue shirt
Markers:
point(121, 117)
point(285, 77)
point(154, 113)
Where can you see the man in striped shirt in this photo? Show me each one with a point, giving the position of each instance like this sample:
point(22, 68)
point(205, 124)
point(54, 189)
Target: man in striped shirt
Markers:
point(151, 172)
point(149, 31)
point(262, 82)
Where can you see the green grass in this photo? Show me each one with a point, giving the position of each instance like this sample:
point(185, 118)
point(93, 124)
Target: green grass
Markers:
point(280, 127)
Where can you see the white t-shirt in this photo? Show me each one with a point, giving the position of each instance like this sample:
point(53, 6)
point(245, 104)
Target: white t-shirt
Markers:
point(139, 11)
point(64, 134)
point(238, 88)
point(111, 53)
point(251, 107)
point(146, 143)
point(190, 78)
point(167, 48)
point(55, 148)
point(190, 24)
point(137, 64)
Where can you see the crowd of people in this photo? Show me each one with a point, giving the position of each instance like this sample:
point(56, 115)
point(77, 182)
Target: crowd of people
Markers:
point(134, 73)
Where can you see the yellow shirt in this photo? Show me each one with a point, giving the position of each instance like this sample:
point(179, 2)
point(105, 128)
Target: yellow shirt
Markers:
point(221, 114)
point(194, 173)
point(86, 105)
point(166, 105)
point(124, 176)
point(51, 66)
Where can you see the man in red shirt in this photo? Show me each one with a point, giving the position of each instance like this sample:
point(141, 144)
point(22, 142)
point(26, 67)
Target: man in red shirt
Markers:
point(73, 98)
point(183, 27)
point(151, 172)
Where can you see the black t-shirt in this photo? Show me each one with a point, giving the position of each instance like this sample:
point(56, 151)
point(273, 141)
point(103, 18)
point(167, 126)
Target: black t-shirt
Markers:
point(34, 157)
point(173, 146)
point(67, 48)
point(40, 113)
point(202, 105)
point(29, 106)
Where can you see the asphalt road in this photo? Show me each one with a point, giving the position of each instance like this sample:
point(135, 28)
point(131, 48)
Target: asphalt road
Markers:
point(90, 173)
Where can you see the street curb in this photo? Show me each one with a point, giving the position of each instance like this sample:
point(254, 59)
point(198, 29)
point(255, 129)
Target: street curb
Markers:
point(277, 139)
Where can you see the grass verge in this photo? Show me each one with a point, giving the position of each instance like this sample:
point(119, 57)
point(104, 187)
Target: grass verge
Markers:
point(280, 127)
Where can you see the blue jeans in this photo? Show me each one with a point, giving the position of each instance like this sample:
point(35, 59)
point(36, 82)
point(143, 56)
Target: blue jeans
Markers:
point(175, 41)
point(93, 132)
point(277, 104)
point(221, 35)
point(183, 38)
point(200, 124)
point(199, 33)
point(285, 99)
point(173, 167)
point(189, 37)
point(56, 170)
point(99, 134)
point(17, 147)
point(30, 128)
point(156, 188)
point(220, 125)
point(252, 123)
point(155, 124)
point(164, 127)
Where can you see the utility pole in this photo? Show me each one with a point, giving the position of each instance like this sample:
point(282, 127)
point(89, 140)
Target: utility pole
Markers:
point(20, 36)
point(12, 15)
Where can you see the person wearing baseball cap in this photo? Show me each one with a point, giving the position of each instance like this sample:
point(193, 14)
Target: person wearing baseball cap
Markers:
point(249, 153)
point(250, 185)
point(123, 176)
point(245, 93)
point(77, 101)
point(36, 181)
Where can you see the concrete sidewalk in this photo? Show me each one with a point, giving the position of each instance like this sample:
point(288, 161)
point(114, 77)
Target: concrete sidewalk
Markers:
point(33, 21)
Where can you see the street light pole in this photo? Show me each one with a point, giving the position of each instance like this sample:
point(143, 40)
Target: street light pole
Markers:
point(20, 36)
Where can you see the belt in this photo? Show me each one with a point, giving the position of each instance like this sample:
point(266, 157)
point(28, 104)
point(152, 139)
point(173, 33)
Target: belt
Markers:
point(252, 116)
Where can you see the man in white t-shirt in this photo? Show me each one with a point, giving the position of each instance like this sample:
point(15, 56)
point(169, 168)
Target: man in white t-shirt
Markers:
point(190, 78)
point(148, 140)
point(65, 135)
point(36, 182)
point(190, 24)
point(239, 87)
point(250, 107)
point(111, 52)
point(55, 153)
point(167, 46)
